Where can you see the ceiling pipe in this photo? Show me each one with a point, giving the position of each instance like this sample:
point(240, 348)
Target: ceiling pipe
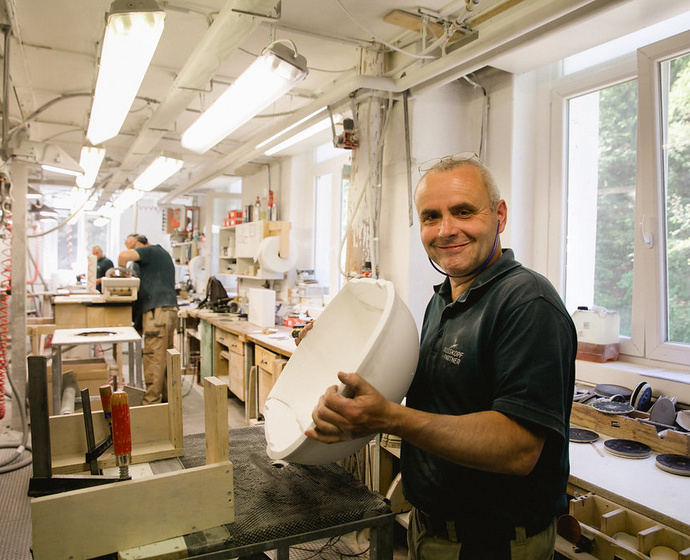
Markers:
point(506, 32)
point(227, 32)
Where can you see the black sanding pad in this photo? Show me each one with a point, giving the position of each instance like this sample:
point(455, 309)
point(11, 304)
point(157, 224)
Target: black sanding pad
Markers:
point(627, 448)
point(580, 435)
point(674, 464)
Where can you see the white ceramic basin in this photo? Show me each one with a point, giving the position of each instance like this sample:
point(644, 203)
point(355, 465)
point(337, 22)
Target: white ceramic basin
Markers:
point(365, 329)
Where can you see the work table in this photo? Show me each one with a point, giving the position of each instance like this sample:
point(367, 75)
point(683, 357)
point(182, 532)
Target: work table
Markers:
point(250, 358)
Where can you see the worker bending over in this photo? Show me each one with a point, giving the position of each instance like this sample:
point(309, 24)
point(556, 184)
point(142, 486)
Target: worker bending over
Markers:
point(157, 306)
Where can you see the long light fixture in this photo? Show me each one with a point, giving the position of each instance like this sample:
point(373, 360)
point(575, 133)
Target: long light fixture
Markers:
point(275, 72)
point(126, 198)
point(161, 169)
point(289, 128)
point(90, 160)
point(55, 159)
point(132, 32)
point(303, 135)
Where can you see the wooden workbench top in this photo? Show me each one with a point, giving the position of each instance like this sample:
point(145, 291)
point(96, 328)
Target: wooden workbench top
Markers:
point(280, 342)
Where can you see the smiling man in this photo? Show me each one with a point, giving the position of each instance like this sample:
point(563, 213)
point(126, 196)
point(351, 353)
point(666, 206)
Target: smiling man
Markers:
point(484, 456)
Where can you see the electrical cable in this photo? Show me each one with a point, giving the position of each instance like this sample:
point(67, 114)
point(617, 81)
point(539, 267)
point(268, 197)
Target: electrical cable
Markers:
point(378, 39)
point(5, 283)
point(5, 286)
point(9, 465)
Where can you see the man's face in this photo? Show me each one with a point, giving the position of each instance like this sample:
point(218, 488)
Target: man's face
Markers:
point(458, 227)
point(97, 252)
point(130, 242)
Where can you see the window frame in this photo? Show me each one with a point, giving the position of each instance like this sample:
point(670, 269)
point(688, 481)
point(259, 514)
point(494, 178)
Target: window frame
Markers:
point(649, 311)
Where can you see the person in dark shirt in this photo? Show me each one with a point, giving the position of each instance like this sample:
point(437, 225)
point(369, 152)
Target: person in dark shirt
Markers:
point(157, 305)
point(484, 429)
point(103, 264)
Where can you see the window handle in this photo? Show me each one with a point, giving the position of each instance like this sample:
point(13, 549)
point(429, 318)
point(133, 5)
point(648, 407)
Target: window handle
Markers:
point(648, 238)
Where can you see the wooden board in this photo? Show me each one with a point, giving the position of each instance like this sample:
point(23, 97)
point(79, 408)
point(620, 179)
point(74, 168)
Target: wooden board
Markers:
point(95, 521)
point(625, 427)
point(157, 431)
point(216, 420)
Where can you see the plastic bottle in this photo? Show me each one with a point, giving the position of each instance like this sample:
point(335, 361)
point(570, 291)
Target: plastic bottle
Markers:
point(264, 208)
point(257, 210)
point(271, 206)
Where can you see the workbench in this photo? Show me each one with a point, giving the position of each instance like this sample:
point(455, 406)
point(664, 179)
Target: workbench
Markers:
point(90, 310)
point(239, 352)
point(278, 505)
point(96, 335)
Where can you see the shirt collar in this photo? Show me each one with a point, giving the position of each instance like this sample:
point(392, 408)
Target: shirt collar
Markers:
point(504, 263)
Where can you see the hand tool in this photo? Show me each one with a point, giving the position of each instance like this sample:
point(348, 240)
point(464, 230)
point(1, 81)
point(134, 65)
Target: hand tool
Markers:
point(122, 432)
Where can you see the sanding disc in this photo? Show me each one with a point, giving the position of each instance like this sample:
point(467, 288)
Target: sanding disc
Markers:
point(663, 412)
point(580, 435)
point(627, 448)
point(641, 397)
point(674, 464)
point(606, 390)
point(612, 407)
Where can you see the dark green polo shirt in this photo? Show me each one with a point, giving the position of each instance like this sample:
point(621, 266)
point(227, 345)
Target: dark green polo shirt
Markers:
point(506, 344)
point(156, 272)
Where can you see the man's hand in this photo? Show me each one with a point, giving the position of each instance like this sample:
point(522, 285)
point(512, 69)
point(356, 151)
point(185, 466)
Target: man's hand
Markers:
point(360, 411)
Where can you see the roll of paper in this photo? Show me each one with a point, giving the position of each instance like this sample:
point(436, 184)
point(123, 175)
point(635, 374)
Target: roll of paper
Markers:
point(268, 255)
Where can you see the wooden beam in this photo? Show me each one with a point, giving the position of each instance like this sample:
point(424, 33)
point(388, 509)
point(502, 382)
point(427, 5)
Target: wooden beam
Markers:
point(96, 521)
point(216, 420)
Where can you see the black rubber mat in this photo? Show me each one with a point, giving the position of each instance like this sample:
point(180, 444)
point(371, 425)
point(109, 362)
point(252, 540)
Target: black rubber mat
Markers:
point(274, 501)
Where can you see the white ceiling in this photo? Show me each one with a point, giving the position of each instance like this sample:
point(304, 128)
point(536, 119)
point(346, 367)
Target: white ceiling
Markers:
point(54, 48)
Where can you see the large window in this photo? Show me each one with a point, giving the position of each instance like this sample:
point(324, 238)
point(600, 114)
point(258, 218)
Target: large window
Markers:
point(628, 200)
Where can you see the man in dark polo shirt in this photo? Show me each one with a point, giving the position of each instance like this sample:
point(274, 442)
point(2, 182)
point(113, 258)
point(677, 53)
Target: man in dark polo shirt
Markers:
point(103, 265)
point(157, 305)
point(484, 456)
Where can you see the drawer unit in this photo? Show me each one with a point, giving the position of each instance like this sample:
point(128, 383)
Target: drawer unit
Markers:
point(229, 340)
point(269, 367)
point(619, 532)
point(230, 348)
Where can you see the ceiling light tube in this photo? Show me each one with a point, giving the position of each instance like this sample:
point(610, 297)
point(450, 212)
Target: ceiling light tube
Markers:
point(126, 198)
point(132, 32)
point(90, 160)
point(289, 128)
point(303, 135)
point(269, 77)
point(55, 159)
point(160, 170)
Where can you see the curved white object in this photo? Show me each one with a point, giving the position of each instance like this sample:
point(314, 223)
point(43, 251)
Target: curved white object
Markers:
point(268, 255)
point(365, 329)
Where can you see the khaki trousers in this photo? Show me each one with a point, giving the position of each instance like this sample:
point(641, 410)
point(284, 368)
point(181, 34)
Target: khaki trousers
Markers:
point(423, 545)
point(159, 330)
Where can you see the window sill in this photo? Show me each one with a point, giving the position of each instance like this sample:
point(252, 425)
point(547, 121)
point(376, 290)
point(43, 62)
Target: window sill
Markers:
point(664, 382)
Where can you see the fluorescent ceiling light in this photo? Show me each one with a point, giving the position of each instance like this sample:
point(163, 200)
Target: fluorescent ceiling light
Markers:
point(132, 32)
point(306, 133)
point(160, 170)
point(289, 128)
point(56, 159)
point(269, 77)
point(33, 194)
point(126, 198)
point(90, 161)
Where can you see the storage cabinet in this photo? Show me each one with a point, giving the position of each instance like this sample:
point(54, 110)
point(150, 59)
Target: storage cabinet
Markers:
point(231, 354)
point(238, 245)
point(269, 367)
point(185, 251)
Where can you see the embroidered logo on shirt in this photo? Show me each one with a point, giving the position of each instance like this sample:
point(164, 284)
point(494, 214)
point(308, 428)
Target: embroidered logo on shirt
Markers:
point(452, 355)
